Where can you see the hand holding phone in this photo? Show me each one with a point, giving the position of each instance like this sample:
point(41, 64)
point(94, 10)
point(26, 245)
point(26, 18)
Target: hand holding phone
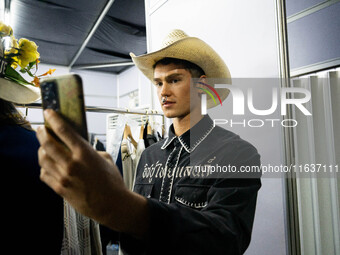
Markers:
point(64, 94)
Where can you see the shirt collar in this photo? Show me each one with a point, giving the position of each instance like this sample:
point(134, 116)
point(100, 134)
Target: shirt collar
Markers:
point(193, 137)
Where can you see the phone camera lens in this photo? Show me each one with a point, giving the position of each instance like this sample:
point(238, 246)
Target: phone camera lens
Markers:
point(49, 92)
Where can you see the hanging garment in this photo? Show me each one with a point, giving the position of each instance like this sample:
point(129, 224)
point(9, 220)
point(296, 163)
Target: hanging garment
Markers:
point(81, 234)
point(113, 139)
point(151, 139)
point(127, 134)
point(119, 161)
point(91, 138)
point(139, 150)
point(148, 136)
point(98, 145)
point(131, 152)
point(128, 156)
point(140, 145)
point(159, 136)
point(145, 133)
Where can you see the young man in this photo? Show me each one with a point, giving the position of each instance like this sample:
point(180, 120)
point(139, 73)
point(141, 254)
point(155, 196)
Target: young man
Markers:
point(170, 212)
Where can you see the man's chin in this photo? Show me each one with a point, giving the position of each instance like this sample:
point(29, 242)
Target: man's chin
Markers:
point(169, 115)
point(172, 114)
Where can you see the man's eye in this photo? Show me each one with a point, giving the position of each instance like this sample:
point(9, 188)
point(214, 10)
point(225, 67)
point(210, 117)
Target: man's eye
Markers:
point(158, 84)
point(174, 81)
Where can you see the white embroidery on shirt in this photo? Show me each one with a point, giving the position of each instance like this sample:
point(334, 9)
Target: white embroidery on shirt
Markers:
point(166, 143)
point(187, 203)
point(173, 174)
point(166, 164)
point(189, 150)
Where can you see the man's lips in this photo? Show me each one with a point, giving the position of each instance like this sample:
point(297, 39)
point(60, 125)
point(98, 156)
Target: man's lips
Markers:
point(168, 103)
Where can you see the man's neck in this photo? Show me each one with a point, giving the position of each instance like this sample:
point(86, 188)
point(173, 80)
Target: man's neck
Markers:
point(181, 125)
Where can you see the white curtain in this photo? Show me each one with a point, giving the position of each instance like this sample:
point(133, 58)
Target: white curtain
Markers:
point(317, 141)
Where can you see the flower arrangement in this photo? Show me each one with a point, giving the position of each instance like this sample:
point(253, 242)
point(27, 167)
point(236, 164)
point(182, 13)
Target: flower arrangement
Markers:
point(22, 55)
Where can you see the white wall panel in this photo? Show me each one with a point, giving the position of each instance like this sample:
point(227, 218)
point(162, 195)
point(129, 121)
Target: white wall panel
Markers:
point(99, 90)
point(244, 34)
point(130, 80)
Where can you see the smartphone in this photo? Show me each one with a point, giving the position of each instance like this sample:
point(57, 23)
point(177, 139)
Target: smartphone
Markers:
point(64, 94)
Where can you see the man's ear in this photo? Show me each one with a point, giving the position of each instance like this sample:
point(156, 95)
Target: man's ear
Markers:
point(200, 83)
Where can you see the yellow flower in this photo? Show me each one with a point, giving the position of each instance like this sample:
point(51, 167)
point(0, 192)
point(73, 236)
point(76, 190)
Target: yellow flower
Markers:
point(28, 52)
point(14, 42)
point(23, 53)
point(13, 50)
point(14, 64)
point(13, 46)
point(5, 30)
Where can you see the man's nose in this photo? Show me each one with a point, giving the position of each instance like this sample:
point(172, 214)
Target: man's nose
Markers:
point(166, 89)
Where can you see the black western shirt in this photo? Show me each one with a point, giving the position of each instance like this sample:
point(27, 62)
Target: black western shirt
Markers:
point(193, 210)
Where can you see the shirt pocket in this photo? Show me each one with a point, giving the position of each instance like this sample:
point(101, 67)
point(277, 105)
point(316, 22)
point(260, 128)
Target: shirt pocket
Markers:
point(144, 189)
point(192, 196)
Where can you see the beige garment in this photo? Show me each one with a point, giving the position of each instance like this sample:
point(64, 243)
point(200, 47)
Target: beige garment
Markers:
point(130, 163)
point(139, 150)
point(130, 159)
point(128, 156)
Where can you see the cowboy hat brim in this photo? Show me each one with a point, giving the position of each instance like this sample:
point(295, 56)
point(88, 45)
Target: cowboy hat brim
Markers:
point(16, 93)
point(193, 50)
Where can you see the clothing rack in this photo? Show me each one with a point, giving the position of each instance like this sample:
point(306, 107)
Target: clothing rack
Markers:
point(102, 109)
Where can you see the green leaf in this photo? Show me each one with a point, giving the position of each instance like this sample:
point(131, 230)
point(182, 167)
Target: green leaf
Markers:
point(30, 65)
point(19, 81)
point(29, 73)
point(15, 76)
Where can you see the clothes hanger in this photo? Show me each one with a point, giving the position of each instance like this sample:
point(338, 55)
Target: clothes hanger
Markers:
point(128, 134)
point(142, 126)
point(149, 129)
point(141, 131)
point(144, 123)
point(155, 124)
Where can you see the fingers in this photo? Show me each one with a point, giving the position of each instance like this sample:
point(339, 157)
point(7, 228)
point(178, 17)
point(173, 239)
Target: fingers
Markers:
point(64, 131)
point(50, 180)
point(50, 172)
point(55, 150)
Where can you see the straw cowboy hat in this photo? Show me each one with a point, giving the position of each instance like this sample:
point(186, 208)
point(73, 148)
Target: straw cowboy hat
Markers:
point(177, 44)
point(16, 93)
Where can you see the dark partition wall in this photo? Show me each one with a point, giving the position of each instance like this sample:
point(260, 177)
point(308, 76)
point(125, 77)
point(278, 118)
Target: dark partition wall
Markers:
point(313, 35)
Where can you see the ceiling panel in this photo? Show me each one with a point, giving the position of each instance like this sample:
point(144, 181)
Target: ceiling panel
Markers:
point(131, 11)
point(119, 37)
point(60, 27)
